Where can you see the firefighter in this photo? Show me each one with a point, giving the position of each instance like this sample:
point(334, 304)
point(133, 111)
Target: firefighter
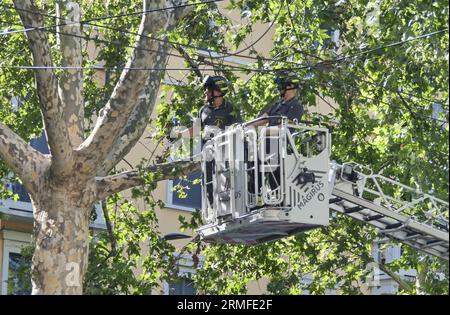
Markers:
point(214, 116)
point(288, 106)
point(219, 113)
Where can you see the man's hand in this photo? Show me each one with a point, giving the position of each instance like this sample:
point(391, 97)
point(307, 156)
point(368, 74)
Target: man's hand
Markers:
point(211, 131)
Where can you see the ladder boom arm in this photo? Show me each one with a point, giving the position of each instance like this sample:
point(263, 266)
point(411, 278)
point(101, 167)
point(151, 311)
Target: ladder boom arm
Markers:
point(420, 222)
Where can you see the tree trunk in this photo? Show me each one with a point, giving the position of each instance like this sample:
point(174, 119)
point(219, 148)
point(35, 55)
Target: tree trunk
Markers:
point(61, 233)
point(62, 184)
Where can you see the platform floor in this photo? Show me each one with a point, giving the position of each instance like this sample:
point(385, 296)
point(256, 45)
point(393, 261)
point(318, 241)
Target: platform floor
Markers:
point(262, 226)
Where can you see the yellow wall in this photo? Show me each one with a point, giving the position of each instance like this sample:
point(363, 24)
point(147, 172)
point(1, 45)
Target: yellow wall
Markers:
point(168, 218)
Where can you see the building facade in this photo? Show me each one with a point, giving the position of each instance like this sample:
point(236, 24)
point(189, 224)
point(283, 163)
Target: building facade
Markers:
point(16, 227)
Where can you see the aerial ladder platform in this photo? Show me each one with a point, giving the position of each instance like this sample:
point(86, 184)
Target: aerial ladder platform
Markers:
point(263, 184)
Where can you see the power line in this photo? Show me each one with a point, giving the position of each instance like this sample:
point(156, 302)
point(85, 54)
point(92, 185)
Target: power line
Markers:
point(188, 69)
point(398, 91)
point(389, 45)
point(120, 68)
point(129, 46)
point(153, 10)
point(237, 68)
point(222, 56)
point(224, 69)
point(236, 53)
point(383, 102)
point(327, 61)
point(373, 83)
point(298, 37)
point(89, 22)
point(378, 84)
point(96, 39)
point(415, 115)
point(300, 66)
point(99, 18)
point(229, 67)
point(257, 40)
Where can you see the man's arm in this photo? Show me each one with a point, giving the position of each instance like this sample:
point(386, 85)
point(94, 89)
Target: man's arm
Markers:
point(191, 129)
point(258, 123)
point(263, 113)
point(295, 112)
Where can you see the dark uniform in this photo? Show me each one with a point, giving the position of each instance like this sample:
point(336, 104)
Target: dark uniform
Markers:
point(221, 117)
point(292, 110)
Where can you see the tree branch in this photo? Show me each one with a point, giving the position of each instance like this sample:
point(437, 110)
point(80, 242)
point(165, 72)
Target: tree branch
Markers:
point(23, 160)
point(190, 61)
point(137, 122)
point(71, 83)
point(402, 283)
point(422, 275)
point(138, 119)
point(406, 105)
point(47, 88)
point(109, 228)
point(131, 91)
point(109, 185)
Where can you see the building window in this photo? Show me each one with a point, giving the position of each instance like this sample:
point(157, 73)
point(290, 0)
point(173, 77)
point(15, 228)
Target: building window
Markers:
point(192, 190)
point(15, 272)
point(18, 189)
point(183, 286)
point(18, 269)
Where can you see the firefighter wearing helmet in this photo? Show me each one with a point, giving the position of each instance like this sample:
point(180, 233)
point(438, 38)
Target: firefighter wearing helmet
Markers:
point(218, 111)
point(288, 106)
